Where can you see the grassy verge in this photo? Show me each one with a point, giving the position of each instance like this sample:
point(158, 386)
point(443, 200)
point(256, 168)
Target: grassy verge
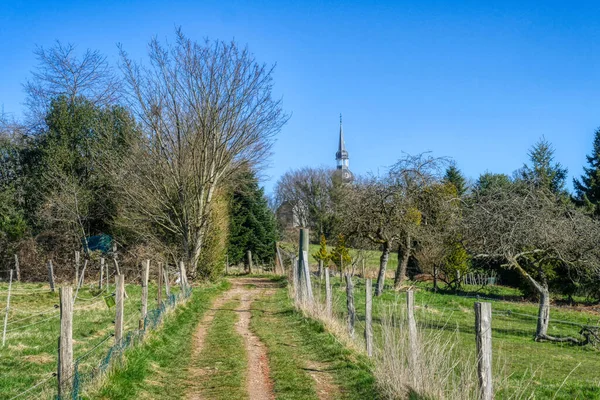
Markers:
point(223, 358)
point(154, 369)
point(544, 366)
point(30, 354)
point(293, 342)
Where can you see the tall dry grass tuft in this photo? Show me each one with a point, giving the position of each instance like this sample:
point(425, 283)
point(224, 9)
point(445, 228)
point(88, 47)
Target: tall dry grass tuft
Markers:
point(440, 369)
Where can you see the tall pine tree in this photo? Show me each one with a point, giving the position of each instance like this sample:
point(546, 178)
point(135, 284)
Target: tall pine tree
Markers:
point(587, 188)
point(543, 171)
point(252, 224)
point(455, 177)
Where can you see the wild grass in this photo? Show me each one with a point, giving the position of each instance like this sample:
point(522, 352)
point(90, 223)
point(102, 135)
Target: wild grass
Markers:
point(30, 353)
point(297, 344)
point(154, 369)
point(446, 322)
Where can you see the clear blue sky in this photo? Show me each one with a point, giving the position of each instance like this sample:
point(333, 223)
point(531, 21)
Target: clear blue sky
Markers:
point(478, 81)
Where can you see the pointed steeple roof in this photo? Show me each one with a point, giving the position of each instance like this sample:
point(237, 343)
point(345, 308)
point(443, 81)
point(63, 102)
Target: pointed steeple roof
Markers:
point(341, 154)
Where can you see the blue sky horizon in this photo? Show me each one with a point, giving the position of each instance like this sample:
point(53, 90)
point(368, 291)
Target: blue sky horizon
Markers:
point(479, 82)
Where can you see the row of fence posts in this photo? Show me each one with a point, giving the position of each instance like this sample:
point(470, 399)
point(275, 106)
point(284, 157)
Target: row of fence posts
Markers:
point(302, 290)
point(65, 341)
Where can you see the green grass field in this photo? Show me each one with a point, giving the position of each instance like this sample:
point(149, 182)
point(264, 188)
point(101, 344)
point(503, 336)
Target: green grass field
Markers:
point(30, 353)
point(544, 366)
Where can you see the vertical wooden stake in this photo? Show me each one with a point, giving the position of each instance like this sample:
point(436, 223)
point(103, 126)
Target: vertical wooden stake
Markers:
point(167, 287)
point(159, 284)
point(369, 317)
point(302, 257)
point(119, 307)
point(307, 283)
point(7, 309)
point(17, 268)
point(144, 311)
point(321, 270)
point(294, 272)
point(65, 347)
point(182, 277)
point(107, 277)
point(483, 331)
point(51, 275)
point(226, 264)
point(282, 268)
point(328, 299)
point(413, 344)
point(81, 279)
point(101, 273)
point(77, 261)
point(350, 305)
point(249, 261)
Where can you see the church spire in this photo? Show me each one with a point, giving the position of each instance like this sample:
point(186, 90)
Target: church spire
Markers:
point(342, 155)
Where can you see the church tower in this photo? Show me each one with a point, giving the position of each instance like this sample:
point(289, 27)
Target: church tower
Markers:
point(342, 158)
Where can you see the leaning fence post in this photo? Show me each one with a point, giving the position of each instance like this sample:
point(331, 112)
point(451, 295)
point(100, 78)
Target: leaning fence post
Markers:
point(144, 311)
point(7, 308)
point(51, 275)
point(101, 273)
point(413, 346)
point(368, 317)
point(282, 268)
point(65, 342)
point(77, 261)
point(483, 331)
point(350, 305)
point(159, 284)
point(328, 299)
point(17, 268)
point(119, 306)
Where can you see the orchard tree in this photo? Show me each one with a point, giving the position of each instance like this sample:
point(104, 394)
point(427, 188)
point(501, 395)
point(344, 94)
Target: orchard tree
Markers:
point(530, 229)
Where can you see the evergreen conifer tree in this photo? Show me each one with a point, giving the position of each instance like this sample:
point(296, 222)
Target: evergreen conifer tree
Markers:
point(252, 224)
point(587, 188)
point(455, 177)
point(543, 171)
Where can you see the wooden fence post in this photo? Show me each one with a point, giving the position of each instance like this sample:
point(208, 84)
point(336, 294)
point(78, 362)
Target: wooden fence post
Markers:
point(369, 317)
point(413, 345)
point(167, 286)
point(249, 261)
point(81, 279)
point(65, 342)
point(51, 275)
point(328, 299)
point(119, 306)
point(77, 261)
point(107, 277)
point(294, 271)
point(350, 305)
point(483, 331)
point(281, 266)
point(302, 264)
point(17, 268)
point(7, 308)
point(159, 284)
point(307, 283)
point(182, 276)
point(101, 273)
point(144, 311)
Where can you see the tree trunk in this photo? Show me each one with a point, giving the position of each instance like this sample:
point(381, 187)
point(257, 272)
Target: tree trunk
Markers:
point(383, 260)
point(543, 314)
point(435, 285)
point(402, 263)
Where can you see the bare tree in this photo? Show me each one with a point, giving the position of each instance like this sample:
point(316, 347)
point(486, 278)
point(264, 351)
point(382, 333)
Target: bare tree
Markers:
point(532, 231)
point(207, 111)
point(60, 72)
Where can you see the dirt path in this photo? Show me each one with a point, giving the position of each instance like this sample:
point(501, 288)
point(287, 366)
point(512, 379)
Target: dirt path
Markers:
point(258, 383)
